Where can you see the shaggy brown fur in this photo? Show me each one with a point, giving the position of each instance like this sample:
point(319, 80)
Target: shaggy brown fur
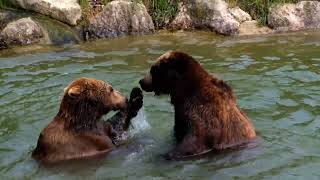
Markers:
point(206, 113)
point(76, 131)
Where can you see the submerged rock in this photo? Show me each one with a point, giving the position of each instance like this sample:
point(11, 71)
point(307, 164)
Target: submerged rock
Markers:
point(303, 15)
point(206, 14)
point(119, 18)
point(20, 32)
point(253, 28)
point(68, 11)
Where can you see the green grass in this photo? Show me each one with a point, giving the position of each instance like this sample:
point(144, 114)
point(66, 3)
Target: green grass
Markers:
point(84, 3)
point(161, 11)
point(258, 9)
point(88, 11)
point(5, 4)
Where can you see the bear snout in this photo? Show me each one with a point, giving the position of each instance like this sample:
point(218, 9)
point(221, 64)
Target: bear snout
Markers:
point(120, 101)
point(146, 83)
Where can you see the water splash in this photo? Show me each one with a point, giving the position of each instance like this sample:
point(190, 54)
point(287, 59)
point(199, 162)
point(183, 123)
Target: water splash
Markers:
point(139, 123)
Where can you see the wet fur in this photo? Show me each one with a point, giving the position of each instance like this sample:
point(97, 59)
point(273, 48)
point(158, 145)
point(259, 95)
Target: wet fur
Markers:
point(76, 132)
point(206, 113)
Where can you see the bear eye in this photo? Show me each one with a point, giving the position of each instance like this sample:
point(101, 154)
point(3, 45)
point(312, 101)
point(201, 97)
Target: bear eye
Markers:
point(111, 89)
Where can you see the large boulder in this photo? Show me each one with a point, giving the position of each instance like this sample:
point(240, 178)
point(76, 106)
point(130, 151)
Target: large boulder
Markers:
point(68, 11)
point(303, 15)
point(206, 14)
point(23, 31)
point(119, 18)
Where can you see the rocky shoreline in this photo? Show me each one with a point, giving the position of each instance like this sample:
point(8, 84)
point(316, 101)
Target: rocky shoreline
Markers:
point(124, 17)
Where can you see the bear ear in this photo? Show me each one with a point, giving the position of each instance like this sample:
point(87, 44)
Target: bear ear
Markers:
point(74, 92)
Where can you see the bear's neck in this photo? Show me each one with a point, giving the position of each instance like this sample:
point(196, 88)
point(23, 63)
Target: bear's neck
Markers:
point(188, 88)
point(78, 118)
point(200, 84)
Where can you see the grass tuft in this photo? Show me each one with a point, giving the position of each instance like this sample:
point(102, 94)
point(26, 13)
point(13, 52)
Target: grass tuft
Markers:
point(161, 11)
point(90, 8)
point(5, 4)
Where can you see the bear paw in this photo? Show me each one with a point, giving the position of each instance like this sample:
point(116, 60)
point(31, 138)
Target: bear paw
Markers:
point(135, 102)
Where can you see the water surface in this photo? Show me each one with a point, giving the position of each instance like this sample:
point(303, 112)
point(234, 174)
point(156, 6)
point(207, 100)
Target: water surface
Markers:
point(276, 80)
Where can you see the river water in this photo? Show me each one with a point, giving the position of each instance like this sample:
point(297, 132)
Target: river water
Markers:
point(276, 80)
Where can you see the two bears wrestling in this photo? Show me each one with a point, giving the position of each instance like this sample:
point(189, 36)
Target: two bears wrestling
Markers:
point(206, 113)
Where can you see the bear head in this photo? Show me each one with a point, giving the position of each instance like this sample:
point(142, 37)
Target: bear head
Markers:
point(172, 71)
point(86, 100)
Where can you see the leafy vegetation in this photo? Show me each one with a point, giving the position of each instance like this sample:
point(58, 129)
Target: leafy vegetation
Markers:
point(5, 4)
point(161, 11)
point(90, 7)
point(258, 9)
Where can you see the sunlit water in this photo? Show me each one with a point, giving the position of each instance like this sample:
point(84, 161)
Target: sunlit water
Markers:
point(276, 80)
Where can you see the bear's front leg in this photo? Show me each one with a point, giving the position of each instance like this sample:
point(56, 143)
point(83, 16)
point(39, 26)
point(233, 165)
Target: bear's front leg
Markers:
point(189, 146)
point(120, 121)
point(135, 104)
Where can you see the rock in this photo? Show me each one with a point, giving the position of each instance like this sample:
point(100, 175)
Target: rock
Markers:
point(206, 14)
point(119, 18)
point(20, 32)
point(68, 11)
point(303, 15)
point(240, 15)
point(253, 28)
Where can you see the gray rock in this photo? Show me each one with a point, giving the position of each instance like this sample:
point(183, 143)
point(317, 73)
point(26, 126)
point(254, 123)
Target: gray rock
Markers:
point(20, 32)
point(240, 15)
point(119, 18)
point(206, 14)
point(303, 15)
point(68, 11)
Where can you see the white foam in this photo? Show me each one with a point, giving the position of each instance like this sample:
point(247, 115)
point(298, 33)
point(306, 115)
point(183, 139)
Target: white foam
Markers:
point(139, 123)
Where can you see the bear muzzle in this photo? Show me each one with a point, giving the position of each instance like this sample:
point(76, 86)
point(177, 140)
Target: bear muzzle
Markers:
point(120, 101)
point(146, 83)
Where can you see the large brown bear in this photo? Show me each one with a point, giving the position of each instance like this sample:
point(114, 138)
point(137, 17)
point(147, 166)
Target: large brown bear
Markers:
point(76, 132)
point(206, 113)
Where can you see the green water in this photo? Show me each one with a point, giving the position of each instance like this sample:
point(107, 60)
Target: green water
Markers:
point(276, 80)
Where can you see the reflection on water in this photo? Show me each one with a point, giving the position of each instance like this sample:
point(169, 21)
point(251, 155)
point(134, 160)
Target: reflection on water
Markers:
point(276, 79)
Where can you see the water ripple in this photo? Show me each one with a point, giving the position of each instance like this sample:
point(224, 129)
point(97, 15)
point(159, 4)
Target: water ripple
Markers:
point(275, 78)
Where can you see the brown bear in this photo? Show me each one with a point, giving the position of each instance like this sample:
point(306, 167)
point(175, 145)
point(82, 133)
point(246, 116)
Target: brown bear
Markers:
point(207, 116)
point(77, 132)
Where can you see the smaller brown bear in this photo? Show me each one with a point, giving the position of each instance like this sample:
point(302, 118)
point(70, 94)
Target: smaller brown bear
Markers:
point(206, 113)
point(76, 132)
